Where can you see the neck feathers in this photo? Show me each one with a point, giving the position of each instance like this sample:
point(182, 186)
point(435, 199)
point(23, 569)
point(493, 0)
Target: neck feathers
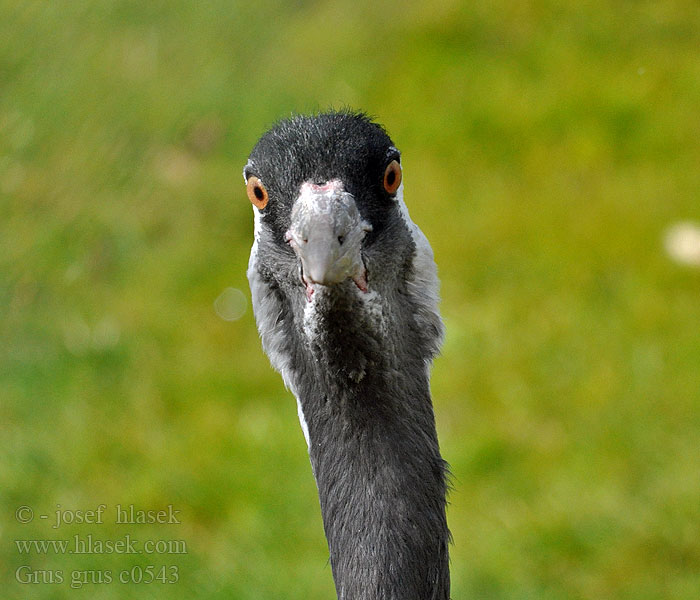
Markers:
point(374, 451)
point(382, 488)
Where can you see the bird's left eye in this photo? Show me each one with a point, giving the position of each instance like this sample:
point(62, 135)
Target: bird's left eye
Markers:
point(392, 177)
point(257, 193)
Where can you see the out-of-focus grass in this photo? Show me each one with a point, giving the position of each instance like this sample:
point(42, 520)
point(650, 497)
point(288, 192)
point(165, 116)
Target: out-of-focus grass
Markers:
point(546, 148)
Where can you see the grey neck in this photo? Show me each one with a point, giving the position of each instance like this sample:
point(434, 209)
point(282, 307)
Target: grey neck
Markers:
point(380, 476)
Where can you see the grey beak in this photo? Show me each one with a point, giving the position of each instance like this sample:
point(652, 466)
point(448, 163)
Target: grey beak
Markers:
point(326, 234)
point(320, 252)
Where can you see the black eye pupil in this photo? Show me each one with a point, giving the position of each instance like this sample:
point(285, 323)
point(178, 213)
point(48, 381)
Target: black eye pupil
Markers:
point(390, 177)
point(259, 193)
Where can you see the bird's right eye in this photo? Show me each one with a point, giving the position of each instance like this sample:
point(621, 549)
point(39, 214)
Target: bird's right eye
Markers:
point(257, 193)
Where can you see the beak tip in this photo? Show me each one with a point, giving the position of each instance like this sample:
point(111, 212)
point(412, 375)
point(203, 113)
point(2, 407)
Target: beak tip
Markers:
point(322, 279)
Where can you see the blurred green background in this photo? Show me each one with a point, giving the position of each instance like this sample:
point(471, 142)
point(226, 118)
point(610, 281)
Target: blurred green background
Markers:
point(547, 149)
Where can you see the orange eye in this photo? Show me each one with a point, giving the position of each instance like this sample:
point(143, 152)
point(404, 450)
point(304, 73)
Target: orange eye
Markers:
point(257, 193)
point(392, 177)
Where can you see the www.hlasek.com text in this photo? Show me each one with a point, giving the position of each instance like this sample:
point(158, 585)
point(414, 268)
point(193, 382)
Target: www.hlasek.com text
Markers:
point(88, 544)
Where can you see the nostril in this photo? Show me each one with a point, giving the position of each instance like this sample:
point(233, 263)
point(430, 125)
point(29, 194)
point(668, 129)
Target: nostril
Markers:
point(295, 240)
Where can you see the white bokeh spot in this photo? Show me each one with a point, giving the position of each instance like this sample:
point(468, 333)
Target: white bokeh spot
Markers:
point(231, 304)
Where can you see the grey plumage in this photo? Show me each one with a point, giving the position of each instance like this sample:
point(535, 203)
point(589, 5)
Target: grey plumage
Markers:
point(344, 290)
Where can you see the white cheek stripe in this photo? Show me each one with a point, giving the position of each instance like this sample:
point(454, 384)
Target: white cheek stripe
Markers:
point(278, 361)
point(257, 222)
point(425, 286)
point(417, 234)
point(302, 422)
